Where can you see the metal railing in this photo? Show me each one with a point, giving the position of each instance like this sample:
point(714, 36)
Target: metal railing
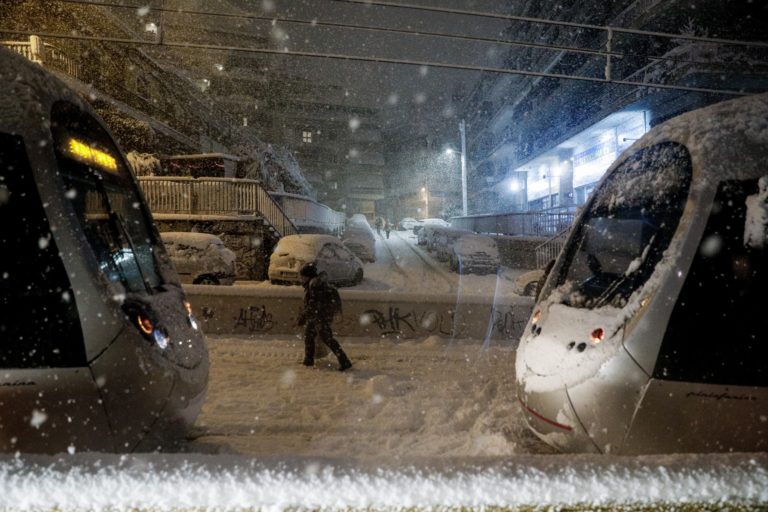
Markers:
point(309, 215)
point(46, 54)
point(524, 223)
point(550, 249)
point(229, 197)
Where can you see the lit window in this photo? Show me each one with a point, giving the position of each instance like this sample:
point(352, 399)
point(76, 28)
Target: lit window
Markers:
point(306, 137)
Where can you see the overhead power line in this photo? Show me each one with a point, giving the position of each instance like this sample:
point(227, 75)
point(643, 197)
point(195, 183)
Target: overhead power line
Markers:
point(572, 24)
point(459, 37)
point(370, 28)
point(379, 60)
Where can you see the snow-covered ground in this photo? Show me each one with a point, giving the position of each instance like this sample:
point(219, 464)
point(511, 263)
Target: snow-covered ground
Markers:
point(427, 423)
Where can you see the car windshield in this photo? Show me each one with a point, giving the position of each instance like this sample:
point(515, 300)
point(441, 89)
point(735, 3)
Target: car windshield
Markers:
point(508, 196)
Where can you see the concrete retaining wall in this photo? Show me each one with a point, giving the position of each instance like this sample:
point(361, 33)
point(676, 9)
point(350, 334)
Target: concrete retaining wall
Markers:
point(518, 251)
point(265, 310)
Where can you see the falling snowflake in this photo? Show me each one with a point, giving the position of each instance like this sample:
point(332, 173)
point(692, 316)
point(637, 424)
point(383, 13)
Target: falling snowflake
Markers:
point(38, 418)
point(287, 378)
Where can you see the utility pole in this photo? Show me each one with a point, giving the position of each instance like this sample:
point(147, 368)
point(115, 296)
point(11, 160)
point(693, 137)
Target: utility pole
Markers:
point(463, 131)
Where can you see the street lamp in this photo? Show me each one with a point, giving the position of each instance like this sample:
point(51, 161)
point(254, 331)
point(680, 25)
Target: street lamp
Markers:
point(426, 201)
point(463, 155)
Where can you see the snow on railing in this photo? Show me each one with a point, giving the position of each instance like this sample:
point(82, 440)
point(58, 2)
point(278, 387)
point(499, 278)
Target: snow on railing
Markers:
point(46, 54)
point(230, 197)
point(523, 223)
point(310, 215)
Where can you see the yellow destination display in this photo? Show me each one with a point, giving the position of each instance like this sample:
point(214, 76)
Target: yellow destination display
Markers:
point(93, 156)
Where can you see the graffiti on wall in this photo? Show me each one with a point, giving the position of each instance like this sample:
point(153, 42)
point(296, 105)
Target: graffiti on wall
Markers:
point(255, 319)
point(508, 322)
point(498, 322)
point(395, 321)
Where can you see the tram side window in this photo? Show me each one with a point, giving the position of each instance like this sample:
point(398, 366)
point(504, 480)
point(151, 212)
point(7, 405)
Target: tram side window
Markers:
point(39, 324)
point(717, 331)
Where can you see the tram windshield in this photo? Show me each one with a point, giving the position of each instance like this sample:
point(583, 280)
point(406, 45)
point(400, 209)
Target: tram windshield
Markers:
point(627, 227)
point(105, 200)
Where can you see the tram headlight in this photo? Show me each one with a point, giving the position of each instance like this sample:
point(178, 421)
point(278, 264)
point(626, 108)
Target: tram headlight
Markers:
point(190, 317)
point(535, 329)
point(160, 338)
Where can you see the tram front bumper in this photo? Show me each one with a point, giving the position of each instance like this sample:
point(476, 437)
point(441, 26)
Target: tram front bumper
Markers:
point(551, 417)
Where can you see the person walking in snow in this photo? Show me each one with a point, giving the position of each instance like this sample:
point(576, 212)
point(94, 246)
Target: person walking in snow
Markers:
point(321, 303)
point(387, 227)
point(378, 225)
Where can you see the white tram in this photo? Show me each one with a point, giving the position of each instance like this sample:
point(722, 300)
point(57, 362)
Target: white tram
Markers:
point(651, 333)
point(98, 347)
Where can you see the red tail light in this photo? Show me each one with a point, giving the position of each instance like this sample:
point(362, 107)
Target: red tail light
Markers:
point(597, 335)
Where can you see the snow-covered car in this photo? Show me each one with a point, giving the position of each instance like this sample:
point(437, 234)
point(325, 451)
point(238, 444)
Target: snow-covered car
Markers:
point(474, 253)
point(327, 252)
point(428, 222)
point(441, 241)
point(359, 238)
point(527, 284)
point(407, 224)
point(200, 258)
point(426, 232)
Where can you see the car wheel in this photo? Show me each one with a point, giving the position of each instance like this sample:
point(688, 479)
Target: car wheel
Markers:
point(206, 279)
point(358, 277)
point(454, 264)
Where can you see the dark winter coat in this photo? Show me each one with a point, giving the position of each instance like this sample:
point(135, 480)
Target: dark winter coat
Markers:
point(321, 300)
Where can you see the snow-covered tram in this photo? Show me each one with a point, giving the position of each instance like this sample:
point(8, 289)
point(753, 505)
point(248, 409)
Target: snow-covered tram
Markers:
point(651, 333)
point(98, 349)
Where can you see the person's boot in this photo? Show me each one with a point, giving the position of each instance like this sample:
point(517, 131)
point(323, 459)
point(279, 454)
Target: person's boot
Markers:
point(344, 362)
point(309, 355)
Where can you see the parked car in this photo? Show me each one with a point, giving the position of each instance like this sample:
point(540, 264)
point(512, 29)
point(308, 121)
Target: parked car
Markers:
point(474, 253)
point(407, 224)
point(200, 258)
point(329, 254)
point(528, 284)
point(428, 222)
point(359, 238)
point(426, 234)
point(442, 239)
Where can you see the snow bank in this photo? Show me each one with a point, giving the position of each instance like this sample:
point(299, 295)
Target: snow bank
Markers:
point(181, 481)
